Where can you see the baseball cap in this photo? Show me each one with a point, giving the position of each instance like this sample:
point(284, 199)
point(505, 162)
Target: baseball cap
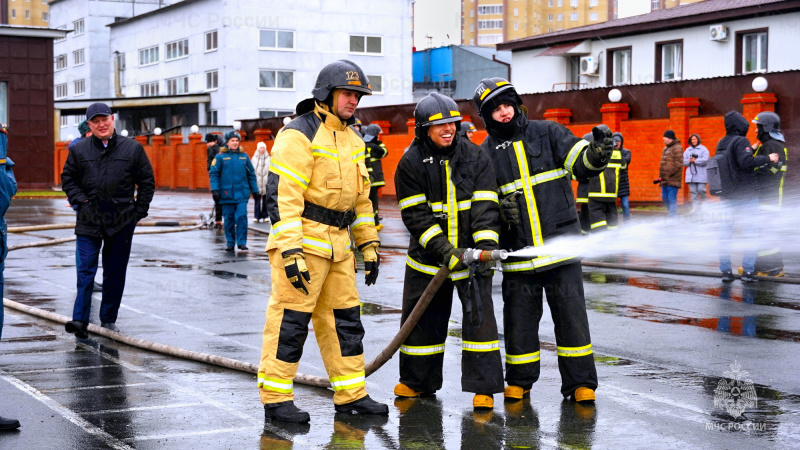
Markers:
point(97, 109)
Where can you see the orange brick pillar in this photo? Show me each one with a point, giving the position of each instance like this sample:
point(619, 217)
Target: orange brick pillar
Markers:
point(411, 124)
point(752, 104)
point(262, 135)
point(197, 158)
point(614, 113)
point(59, 159)
point(174, 141)
point(559, 115)
point(680, 110)
point(158, 145)
point(150, 154)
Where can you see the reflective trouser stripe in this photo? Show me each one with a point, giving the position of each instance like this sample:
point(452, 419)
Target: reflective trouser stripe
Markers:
point(275, 384)
point(422, 350)
point(348, 381)
point(574, 351)
point(769, 251)
point(489, 346)
point(602, 223)
point(523, 359)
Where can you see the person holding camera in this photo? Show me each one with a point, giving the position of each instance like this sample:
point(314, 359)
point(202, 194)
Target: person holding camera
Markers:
point(695, 159)
point(669, 172)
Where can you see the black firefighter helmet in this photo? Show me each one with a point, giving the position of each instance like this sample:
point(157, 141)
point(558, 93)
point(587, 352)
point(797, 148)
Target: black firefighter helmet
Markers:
point(434, 109)
point(488, 90)
point(770, 123)
point(341, 74)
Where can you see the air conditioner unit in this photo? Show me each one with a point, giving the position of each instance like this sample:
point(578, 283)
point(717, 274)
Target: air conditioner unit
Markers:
point(718, 33)
point(589, 65)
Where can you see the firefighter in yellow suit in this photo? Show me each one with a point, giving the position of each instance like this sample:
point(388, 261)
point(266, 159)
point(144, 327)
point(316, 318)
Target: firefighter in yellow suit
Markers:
point(317, 188)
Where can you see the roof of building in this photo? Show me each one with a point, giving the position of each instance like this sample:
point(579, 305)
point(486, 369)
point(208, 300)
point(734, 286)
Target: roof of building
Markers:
point(35, 32)
point(153, 12)
point(708, 11)
point(488, 53)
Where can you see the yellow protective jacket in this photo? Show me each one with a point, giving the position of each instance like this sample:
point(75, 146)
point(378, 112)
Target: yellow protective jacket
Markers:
point(318, 159)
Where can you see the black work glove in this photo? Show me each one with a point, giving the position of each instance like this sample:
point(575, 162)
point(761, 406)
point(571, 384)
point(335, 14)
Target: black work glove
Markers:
point(486, 269)
point(296, 271)
point(452, 259)
point(601, 147)
point(509, 209)
point(216, 196)
point(372, 260)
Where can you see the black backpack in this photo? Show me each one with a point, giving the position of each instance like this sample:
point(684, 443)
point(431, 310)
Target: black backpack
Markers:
point(723, 171)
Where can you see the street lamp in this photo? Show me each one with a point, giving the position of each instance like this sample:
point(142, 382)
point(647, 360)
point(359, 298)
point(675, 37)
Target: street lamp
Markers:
point(124, 133)
point(614, 95)
point(760, 84)
point(237, 125)
point(157, 131)
point(195, 129)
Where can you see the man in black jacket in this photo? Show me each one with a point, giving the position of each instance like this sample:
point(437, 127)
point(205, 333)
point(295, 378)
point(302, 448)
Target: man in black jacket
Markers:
point(100, 177)
point(742, 200)
point(448, 201)
point(534, 162)
point(212, 149)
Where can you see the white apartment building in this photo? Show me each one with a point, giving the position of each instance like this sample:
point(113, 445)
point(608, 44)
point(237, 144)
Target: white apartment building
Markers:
point(81, 60)
point(242, 59)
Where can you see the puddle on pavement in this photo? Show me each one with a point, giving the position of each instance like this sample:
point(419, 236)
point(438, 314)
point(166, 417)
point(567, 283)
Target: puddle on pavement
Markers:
point(611, 361)
point(41, 338)
point(374, 309)
point(756, 326)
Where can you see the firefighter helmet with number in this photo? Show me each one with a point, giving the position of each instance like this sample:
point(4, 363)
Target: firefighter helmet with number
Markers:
point(341, 74)
point(489, 88)
point(770, 123)
point(434, 109)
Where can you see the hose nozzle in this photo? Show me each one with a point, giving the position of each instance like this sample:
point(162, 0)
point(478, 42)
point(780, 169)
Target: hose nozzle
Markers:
point(472, 255)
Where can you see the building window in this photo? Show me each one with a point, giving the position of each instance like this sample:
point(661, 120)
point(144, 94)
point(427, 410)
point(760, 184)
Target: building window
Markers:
point(655, 5)
point(488, 39)
point(211, 117)
point(754, 52)
point(211, 41)
point(496, 24)
point(549, 17)
point(592, 3)
point(61, 91)
point(64, 121)
point(620, 70)
point(550, 3)
point(178, 86)
point(573, 17)
point(669, 56)
point(77, 27)
point(3, 102)
point(376, 83)
point(367, 44)
point(148, 89)
point(61, 62)
point(212, 80)
point(516, 11)
point(472, 42)
point(77, 57)
point(148, 56)
point(573, 3)
point(13, 13)
point(490, 9)
point(45, 17)
point(471, 27)
point(593, 17)
point(275, 79)
point(177, 49)
point(79, 87)
point(472, 13)
point(270, 113)
point(516, 26)
point(28, 14)
point(79, 118)
point(276, 39)
point(560, 17)
point(560, 3)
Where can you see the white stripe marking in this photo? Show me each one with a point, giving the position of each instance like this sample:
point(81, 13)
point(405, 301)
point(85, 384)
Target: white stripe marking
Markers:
point(140, 408)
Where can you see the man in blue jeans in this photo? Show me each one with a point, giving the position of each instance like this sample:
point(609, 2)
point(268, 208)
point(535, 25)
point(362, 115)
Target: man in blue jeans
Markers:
point(100, 177)
point(671, 172)
point(8, 187)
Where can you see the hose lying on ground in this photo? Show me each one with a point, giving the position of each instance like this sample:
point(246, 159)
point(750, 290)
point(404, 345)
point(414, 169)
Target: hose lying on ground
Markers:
point(72, 238)
point(66, 226)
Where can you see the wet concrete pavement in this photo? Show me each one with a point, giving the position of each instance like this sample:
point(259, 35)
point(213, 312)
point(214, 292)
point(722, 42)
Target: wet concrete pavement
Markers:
point(662, 344)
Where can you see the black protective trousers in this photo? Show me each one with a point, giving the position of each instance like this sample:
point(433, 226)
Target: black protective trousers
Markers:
point(602, 215)
point(373, 197)
point(522, 311)
point(422, 353)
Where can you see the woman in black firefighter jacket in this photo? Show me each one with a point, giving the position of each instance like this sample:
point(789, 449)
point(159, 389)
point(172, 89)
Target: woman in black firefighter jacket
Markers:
point(448, 201)
point(534, 162)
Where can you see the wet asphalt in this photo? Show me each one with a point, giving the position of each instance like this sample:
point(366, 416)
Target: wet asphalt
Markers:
point(663, 345)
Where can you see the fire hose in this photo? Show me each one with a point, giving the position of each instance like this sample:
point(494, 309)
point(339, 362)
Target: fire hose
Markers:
point(469, 256)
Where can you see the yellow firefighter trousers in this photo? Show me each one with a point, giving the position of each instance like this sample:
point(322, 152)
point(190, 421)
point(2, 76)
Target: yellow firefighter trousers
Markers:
point(332, 305)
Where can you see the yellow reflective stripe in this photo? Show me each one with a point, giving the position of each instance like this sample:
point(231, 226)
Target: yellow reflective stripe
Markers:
point(280, 169)
point(348, 381)
point(453, 262)
point(320, 244)
point(485, 93)
point(509, 187)
point(502, 83)
point(550, 175)
point(523, 359)
point(588, 164)
point(275, 384)
point(582, 200)
point(412, 201)
point(488, 235)
point(286, 225)
point(602, 223)
point(325, 152)
point(488, 346)
point(363, 219)
point(527, 187)
point(422, 350)
point(616, 154)
point(574, 351)
point(452, 207)
point(617, 165)
point(429, 234)
point(530, 264)
point(360, 155)
point(465, 205)
point(435, 116)
point(572, 156)
point(602, 194)
point(436, 206)
point(431, 270)
point(770, 251)
point(454, 113)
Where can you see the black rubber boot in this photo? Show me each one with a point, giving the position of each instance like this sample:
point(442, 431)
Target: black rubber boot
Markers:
point(285, 412)
point(363, 405)
point(243, 248)
point(8, 424)
point(727, 276)
point(77, 328)
point(749, 277)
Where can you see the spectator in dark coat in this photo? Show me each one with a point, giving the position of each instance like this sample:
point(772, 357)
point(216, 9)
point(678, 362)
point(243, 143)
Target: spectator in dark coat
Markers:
point(671, 171)
point(624, 185)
